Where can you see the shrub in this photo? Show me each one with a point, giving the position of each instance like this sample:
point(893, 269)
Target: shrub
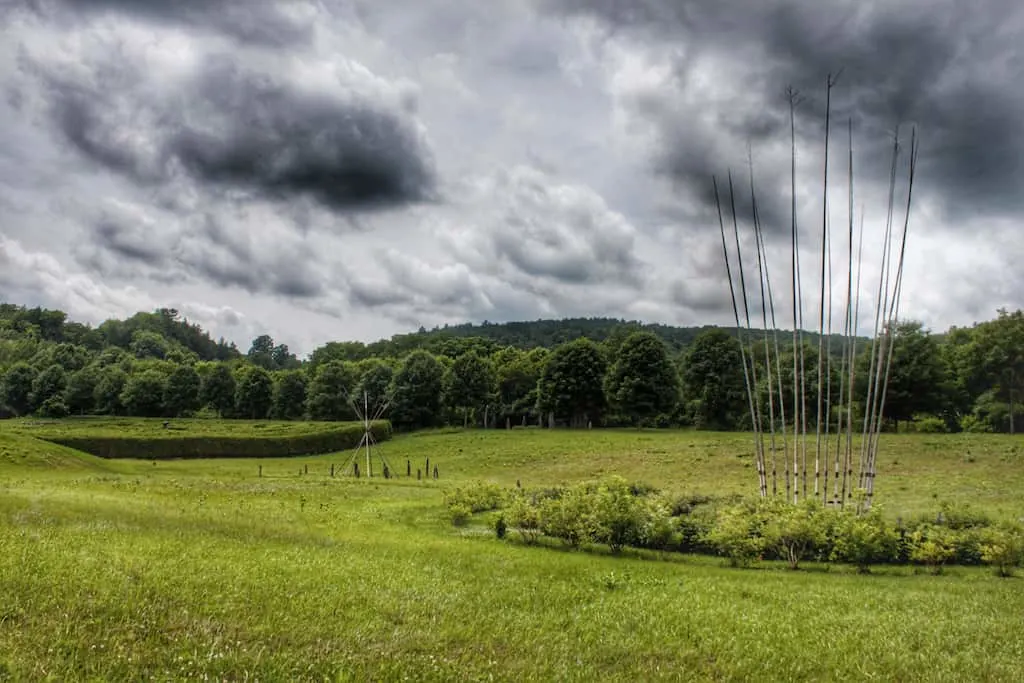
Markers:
point(460, 514)
point(1003, 548)
point(693, 529)
point(617, 515)
point(932, 546)
point(53, 407)
point(928, 424)
point(524, 517)
point(795, 531)
point(658, 528)
point(570, 518)
point(737, 535)
point(963, 516)
point(478, 497)
point(973, 425)
point(863, 540)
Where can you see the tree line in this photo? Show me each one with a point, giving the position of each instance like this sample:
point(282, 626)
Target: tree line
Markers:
point(160, 365)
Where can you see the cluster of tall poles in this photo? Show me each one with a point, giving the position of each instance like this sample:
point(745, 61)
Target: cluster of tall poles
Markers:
point(785, 455)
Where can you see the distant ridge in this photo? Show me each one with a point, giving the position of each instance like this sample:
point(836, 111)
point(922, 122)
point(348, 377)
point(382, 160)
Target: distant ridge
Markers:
point(547, 333)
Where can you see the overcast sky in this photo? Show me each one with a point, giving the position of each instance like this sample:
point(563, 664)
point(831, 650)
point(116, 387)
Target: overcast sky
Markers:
point(348, 169)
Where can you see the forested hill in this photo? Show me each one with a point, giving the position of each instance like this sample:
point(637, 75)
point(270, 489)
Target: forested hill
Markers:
point(166, 331)
point(162, 330)
point(550, 333)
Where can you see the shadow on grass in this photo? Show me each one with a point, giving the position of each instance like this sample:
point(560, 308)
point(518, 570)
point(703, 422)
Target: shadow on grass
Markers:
point(778, 567)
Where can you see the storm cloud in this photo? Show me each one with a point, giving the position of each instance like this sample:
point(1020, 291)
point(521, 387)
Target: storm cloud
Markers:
point(143, 110)
point(352, 169)
point(261, 22)
point(952, 69)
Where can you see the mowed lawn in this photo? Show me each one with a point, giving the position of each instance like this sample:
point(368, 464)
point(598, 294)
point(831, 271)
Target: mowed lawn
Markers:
point(118, 570)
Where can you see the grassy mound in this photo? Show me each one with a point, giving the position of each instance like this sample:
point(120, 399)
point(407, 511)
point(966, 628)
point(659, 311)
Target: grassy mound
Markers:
point(17, 450)
point(153, 440)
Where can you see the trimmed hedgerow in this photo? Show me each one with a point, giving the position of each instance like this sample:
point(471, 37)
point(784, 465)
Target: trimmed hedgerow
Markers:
point(164, 447)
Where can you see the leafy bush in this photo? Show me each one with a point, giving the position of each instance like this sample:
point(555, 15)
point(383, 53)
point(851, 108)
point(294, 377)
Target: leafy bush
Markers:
point(618, 515)
point(963, 516)
point(1002, 547)
point(53, 407)
point(478, 497)
point(524, 516)
point(737, 535)
point(658, 530)
point(932, 546)
point(928, 424)
point(974, 425)
point(795, 531)
point(460, 514)
point(571, 517)
point(863, 540)
point(693, 529)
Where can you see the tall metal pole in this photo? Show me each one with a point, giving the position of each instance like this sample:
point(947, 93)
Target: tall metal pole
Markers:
point(366, 433)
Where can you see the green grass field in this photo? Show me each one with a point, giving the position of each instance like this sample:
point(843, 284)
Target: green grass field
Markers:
point(117, 570)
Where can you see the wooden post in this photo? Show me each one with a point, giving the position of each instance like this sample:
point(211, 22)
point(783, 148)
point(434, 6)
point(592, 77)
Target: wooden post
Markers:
point(419, 475)
point(427, 468)
point(306, 469)
point(261, 471)
point(332, 470)
point(408, 468)
point(435, 471)
point(518, 484)
point(387, 472)
point(355, 467)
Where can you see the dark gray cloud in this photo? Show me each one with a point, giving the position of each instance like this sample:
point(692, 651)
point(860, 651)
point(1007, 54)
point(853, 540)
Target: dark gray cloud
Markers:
point(260, 22)
point(952, 68)
point(350, 145)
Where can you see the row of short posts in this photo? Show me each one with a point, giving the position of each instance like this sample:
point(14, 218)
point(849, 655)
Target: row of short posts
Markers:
point(387, 471)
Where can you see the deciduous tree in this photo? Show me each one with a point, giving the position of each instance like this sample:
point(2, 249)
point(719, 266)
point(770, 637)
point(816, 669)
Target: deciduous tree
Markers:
point(416, 392)
point(572, 383)
point(642, 381)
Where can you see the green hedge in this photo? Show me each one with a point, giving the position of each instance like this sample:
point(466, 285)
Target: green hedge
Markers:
point(342, 438)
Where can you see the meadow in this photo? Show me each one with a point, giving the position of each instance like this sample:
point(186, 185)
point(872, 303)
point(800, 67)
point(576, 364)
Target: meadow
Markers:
point(171, 569)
